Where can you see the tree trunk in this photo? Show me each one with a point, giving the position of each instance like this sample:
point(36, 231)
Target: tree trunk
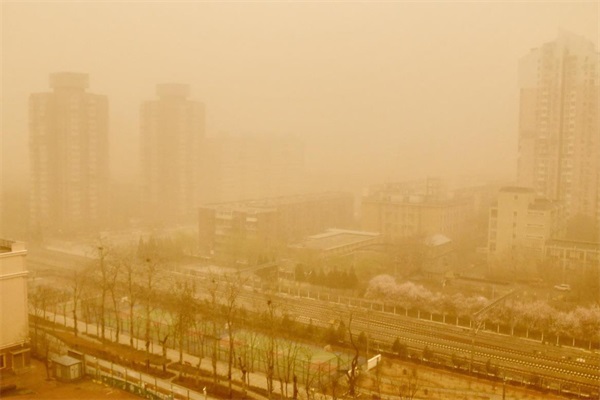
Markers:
point(116, 307)
point(230, 357)
point(74, 321)
point(102, 314)
point(130, 323)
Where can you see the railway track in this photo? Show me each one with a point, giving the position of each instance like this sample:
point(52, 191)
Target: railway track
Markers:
point(385, 328)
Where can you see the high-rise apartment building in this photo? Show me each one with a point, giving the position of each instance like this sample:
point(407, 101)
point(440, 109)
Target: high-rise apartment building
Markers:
point(559, 139)
point(69, 156)
point(171, 129)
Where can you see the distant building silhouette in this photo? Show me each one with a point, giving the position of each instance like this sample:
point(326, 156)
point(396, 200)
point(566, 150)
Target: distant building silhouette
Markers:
point(235, 168)
point(270, 223)
point(408, 209)
point(559, 139)
point(171, 130)
point(69, 157)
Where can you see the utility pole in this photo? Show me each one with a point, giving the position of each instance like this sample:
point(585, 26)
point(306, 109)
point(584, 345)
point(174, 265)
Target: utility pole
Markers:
point(477, 321)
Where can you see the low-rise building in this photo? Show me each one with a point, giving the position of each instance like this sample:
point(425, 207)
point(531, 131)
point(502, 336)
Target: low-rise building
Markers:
point(572, 252)
point(402, 210)
point(14, 320)
point(523, 221)
point(271, 222)
point(333, 243)
point(439, 255)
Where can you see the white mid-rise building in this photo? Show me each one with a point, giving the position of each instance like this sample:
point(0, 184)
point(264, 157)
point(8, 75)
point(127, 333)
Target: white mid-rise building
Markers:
point(522, 221)
point(14, 319)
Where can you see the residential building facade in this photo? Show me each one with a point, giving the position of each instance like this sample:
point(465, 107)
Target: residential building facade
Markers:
point(522, 221)
point(559, 136)
point(171, 130)
point(572, 252)
point(402, 210)
point(14, 316)
point(235, 168)
point(68, 131)
point(272, 222)
point(333, 243)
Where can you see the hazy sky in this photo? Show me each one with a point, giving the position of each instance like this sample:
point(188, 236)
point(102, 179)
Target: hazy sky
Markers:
point(399, 88)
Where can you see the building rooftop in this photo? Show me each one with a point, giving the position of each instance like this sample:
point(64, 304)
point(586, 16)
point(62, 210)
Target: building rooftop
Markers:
point(334, 238)
point(273, 202)
point(516, 189)
point(66, 361)
point(8, 246)
point(573, 244)
point(437, 240)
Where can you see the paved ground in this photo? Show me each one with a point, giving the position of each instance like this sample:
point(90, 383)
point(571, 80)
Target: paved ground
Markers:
point(33, 385)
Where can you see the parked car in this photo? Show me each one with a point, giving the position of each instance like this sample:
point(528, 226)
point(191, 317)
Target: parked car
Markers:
point(563, 287)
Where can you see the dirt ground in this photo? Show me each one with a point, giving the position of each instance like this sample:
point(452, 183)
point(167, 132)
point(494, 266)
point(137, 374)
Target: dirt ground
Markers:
point(33, 385)
point(441, 385)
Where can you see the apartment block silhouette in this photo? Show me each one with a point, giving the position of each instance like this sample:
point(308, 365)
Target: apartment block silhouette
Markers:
point(69, 157)
point(171, 130)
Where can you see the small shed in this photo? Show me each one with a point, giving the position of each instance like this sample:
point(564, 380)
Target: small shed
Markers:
point(67, 369)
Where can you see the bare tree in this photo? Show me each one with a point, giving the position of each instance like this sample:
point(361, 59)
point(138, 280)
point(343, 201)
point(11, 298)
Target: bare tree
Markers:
point(78, 281)
point(213, 289)
point(353, 372)
point(37, 299)
point(114, 271)
point(130, 267)
point(150, 271)
point(233, 287)
point(270, 349)
point(61, 298)
point(184, 312)
point(286, 365)
point(103, 278)
point(200, 333)
point(309, 374)
point(247, 355)
point(44, 345)
point(409, 385)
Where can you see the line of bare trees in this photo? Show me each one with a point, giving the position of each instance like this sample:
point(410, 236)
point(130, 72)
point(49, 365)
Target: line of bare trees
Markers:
point(128, 291)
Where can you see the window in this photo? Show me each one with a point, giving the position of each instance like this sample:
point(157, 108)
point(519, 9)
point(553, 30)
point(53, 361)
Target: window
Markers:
point(2, 361)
